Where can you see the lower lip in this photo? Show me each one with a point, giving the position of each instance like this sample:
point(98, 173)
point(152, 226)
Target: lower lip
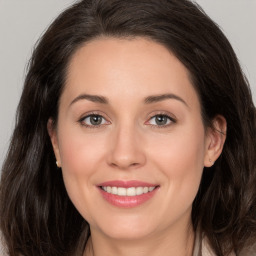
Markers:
point(127, 201)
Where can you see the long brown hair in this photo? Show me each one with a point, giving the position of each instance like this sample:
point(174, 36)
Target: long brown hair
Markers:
point(37, 216)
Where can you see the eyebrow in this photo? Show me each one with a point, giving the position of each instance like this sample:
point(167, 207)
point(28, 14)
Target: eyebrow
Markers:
point(93, 98)
point(148, 100)
point(161, 97)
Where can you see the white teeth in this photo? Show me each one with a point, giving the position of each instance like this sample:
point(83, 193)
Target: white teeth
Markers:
point(128, 191)
point(145, 190)
point(114, 190)
point(121, 191)
point(139, 191)
point(131, 192)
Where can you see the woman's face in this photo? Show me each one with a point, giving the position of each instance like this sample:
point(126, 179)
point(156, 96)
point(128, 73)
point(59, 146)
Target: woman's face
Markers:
point(129, 123)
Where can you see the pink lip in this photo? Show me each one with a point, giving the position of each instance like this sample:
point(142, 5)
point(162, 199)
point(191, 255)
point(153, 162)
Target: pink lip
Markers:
point(127, 201)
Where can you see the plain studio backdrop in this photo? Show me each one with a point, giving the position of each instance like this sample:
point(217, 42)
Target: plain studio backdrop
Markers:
point(23, 21)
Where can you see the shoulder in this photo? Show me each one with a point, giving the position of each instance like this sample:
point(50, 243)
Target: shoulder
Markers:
point(3, 250)
point(249, 251)
point(206, 250)
point(202, 247)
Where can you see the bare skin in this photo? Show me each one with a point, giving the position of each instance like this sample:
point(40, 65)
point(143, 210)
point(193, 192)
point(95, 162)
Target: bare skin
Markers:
point(130, 112)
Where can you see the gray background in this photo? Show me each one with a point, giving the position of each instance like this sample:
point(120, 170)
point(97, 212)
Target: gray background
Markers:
point(23, 21)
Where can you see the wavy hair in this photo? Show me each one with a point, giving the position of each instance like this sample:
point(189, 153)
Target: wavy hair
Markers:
point(37, 216)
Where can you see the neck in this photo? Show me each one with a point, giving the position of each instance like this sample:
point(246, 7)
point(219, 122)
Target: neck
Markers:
point(178, 243)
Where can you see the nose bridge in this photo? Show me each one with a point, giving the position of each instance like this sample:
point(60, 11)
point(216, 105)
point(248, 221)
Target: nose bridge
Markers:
point(126, 148)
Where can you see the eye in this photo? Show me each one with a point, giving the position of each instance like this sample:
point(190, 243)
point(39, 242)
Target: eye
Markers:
point(93, 120)
point(161, 120)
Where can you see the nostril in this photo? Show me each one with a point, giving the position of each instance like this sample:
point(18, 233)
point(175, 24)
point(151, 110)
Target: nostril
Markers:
point(124, 165)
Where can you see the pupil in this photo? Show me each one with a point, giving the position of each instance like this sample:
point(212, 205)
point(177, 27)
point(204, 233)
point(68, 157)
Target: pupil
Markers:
point(95, 120)
point(161, 120)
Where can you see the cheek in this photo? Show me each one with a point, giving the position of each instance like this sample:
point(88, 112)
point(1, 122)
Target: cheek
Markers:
point(79, 151)
point(177, 150)
point(80, 158)
point(180, 157)
point(80, 154)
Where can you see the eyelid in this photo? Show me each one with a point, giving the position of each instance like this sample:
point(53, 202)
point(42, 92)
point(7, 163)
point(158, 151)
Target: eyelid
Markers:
point(172, 118)
point(91, 113)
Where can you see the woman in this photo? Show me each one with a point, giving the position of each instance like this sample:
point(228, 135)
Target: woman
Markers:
point(144, 109)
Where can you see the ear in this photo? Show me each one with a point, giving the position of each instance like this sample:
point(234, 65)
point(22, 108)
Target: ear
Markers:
point(216, 136)
point(53, 136)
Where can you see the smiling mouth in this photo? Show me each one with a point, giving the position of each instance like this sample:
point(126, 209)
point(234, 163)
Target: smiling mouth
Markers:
point(127, 194)
point(131, 191)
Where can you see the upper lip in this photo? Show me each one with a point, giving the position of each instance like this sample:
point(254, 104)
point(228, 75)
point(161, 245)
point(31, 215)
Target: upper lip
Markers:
point(126, 184)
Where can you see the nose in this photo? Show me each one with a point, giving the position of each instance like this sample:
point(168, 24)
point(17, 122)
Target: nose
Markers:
point(126, 149)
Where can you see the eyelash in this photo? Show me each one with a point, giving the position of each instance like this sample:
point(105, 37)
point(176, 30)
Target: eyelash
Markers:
point(171, 119)
point(81, 120)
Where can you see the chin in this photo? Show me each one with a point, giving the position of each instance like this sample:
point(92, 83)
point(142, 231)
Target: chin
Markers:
point(128, 228)
point(128, 234)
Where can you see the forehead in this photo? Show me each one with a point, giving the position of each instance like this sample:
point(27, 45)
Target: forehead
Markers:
point(127, 68)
